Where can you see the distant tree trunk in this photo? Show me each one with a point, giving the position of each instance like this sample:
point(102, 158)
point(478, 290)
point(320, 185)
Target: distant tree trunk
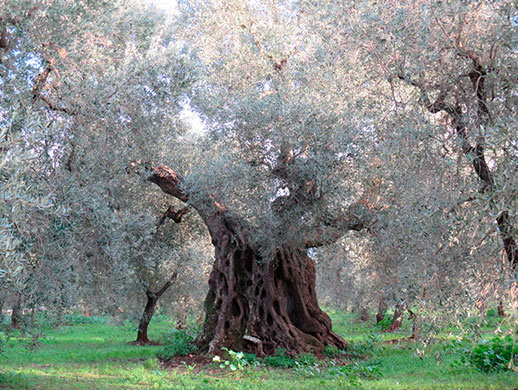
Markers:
point(149, 310)
point(142, 336)
point(16, 315)
point(382, 308)
point(364, 314)
point(415, 325)
point(501, 311)
point(397, 320)
point(1, 309)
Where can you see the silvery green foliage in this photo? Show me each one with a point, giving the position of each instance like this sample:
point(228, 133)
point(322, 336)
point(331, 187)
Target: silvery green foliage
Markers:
point(326, 79)
point(132, 112)
point(439, 247)
point(112, 96)
point(24, 202)
point(266, 89)
point(321, 80)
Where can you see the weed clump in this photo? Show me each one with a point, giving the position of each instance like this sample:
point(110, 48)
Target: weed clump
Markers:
point(280, 359)
point(493, 355)
point(177, 342)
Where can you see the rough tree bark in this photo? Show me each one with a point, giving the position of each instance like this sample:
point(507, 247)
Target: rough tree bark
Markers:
point(273, 303)
point(255, 305)
point(149, 310)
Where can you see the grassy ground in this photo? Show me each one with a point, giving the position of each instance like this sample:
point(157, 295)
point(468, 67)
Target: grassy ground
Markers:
point(97, 356)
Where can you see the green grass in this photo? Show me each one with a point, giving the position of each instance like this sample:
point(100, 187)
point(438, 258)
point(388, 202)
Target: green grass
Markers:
point(97, 356)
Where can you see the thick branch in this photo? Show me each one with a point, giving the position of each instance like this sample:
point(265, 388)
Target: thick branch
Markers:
point(163, 176)
point(357, 218)
point(41, 81)
point(176, 216)
point(4, 39)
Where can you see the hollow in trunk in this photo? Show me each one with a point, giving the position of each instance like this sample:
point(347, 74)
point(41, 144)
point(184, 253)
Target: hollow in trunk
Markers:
point(259, 306)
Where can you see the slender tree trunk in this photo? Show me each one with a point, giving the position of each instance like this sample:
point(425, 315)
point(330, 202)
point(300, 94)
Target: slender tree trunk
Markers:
point(501, 311)
point(364, 314)
point(415, 325)
point(16, 315)
point(257, 306)
point(1, 309)
point(397, 320)
point(142, 337)
point(149, 310)
point(382, 308)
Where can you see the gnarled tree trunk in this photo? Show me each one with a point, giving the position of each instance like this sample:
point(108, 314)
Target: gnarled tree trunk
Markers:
point(252, 304)
point(257, 306)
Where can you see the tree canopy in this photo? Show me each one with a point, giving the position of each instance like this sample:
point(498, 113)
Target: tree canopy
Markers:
point(375, 138)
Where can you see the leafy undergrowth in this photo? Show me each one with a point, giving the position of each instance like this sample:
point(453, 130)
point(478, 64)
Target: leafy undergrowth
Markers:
point(96, 355)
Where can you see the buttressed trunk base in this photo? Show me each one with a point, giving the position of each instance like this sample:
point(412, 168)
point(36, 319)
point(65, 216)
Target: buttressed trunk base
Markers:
point(257, 307)
point(254, 305)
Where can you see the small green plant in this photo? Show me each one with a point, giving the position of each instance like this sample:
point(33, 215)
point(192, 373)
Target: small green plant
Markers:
point(332, 351)
point(306, 359)
point(150, 363)
point(178, 342)
point(251, 358)
point(280, 359)
point(493, 355)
